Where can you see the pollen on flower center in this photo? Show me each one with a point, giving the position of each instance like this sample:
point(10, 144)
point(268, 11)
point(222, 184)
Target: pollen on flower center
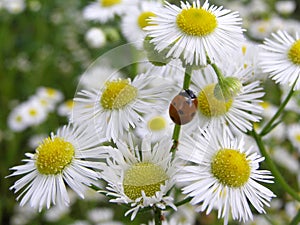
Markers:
point(143, 19)
point(143, 176)
point(117, 94)
point(231, 167)
point(157, 123)
point(209, 105)
point(50, 91)
point(53, 155)
point(196, 22)
point(294, 53)
point(108, 3)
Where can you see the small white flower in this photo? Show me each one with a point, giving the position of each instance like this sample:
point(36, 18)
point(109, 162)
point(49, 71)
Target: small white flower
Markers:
point(286, 160)
point(118, 106)
point(222, 174)
point(293, 134)
point(66, 108)
point(140, 176)
point(100, 215)
point(95, 37)
point(34, 112)
point(156, 124)
point(16, 120)
point(61, 160)
point(280, 58)
point(136, 19)
point(49, 93)
point(195, 32)
point(14, 6)
point(105, 10)
point(238, 112)
point(285, 7)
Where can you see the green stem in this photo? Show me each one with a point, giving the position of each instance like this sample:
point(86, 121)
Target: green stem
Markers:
point(175, 137)
point(279, 178)
point(269, 126)
point(187, 77)
point(157, 216)
point(186, 85)
point(183, 202)
point(216, 69)
point(296, 219)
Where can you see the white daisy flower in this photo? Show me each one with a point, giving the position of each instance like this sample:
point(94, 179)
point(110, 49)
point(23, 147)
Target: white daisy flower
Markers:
point(140, 176)
point(34, 112)
point(16, 119)
point(49, 93)
point(46, 103)
point(238, 111)
point(285, 159)
point(156, 124)
point(293, 134)
point(95, 37)
point(66, 108)
point(61, 160)
point(136, 19)
point(118, 106)
point(246, 57)
point(105, 10)
point(281, 58)
point(222, 174)
point(195, 31)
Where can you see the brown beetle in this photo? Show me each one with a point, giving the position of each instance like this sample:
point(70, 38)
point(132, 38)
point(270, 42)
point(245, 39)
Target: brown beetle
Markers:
point(183, 107)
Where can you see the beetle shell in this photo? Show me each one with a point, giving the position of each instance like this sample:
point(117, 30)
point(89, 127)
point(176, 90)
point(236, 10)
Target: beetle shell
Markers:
point(183, 107)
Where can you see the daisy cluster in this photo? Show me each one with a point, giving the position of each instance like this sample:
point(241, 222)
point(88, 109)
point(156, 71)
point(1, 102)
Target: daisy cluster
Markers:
point(176, 125)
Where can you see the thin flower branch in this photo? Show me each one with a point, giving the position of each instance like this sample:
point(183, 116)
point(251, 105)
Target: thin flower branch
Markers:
point(278, 177)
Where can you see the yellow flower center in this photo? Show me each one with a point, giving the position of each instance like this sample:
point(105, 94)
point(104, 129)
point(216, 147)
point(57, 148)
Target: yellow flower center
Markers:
point(143, 19)
point(50, 91)
point(209, 105)
point(196, 22)
point(231, 167)
point(53, 155)
point(69, 104)
point(157, 123)
point(19, 118)
point(143, 176)
point(294, 53)
point(33, 112)
point(117, 94)
point(297, 137)
point(108, 3)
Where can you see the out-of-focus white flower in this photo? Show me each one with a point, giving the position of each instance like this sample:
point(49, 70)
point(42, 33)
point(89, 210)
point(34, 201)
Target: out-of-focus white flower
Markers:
point(286, 160)
point(136, 19)
point(65, 109)
point(285, 7)
point(34, 112)
point(293, 133)
point(14, 6)
point(16, 119)
point(98, 215)
point(105, 10)
point(55, 213)
point(50, 94)
point(95, 37)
